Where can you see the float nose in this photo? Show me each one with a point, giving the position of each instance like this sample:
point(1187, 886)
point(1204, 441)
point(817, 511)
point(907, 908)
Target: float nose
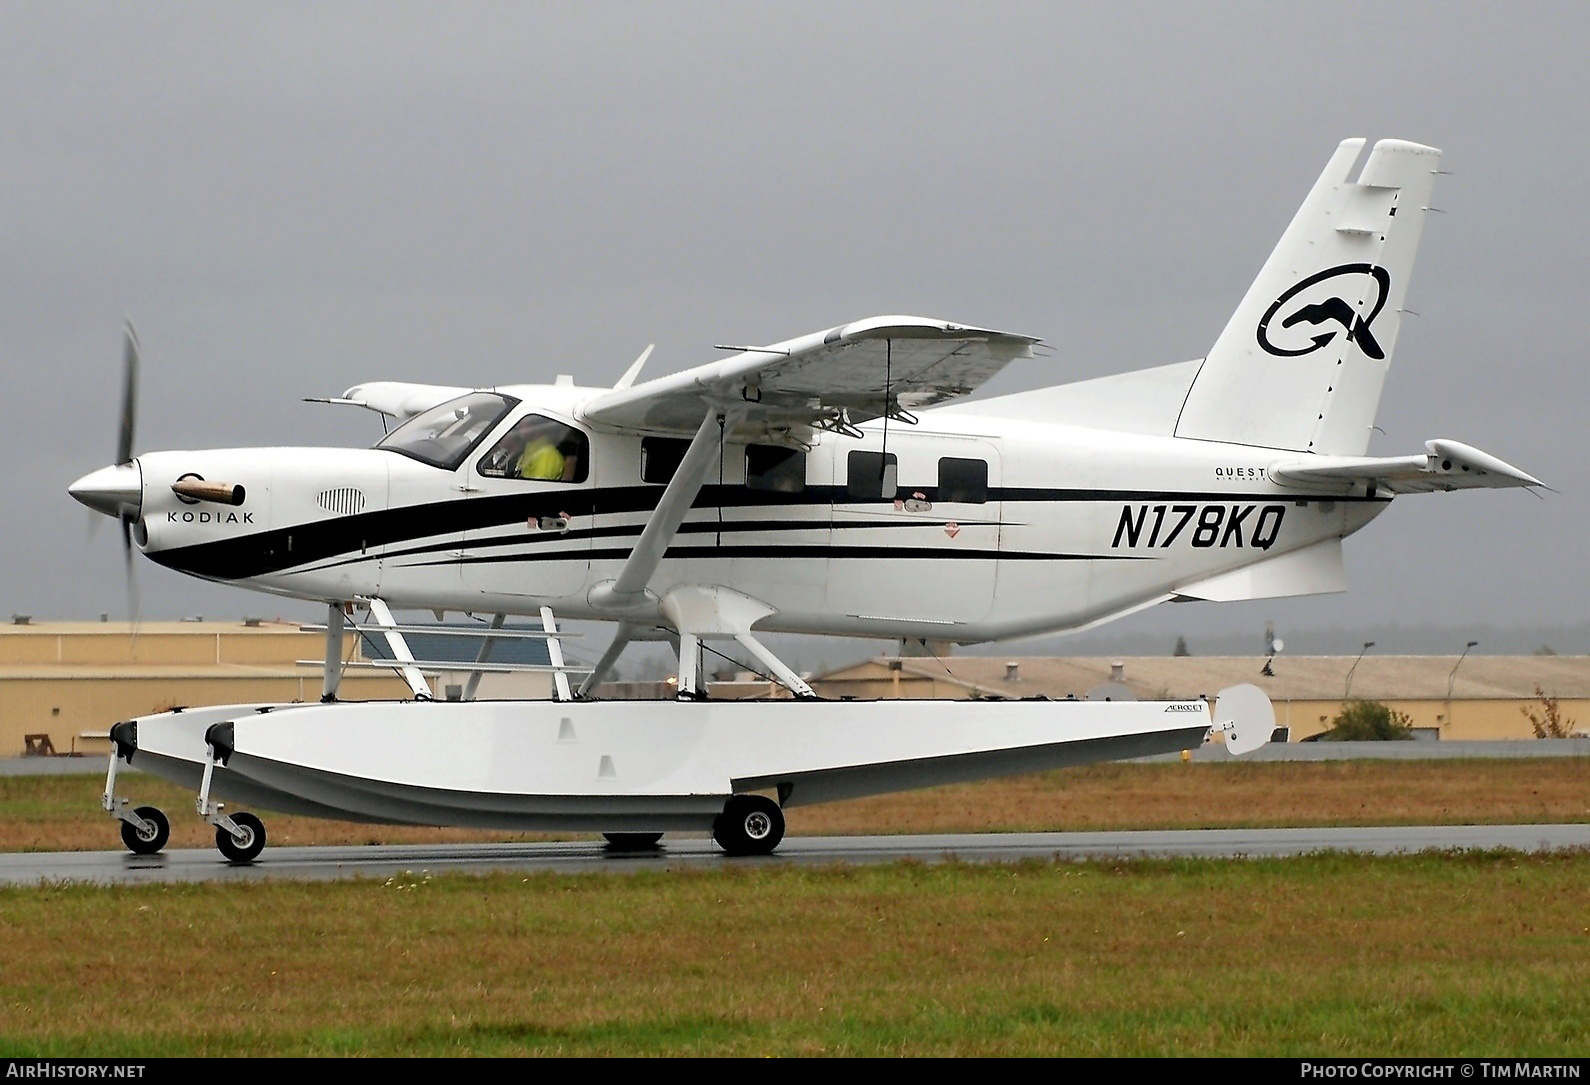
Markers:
point(116, 491)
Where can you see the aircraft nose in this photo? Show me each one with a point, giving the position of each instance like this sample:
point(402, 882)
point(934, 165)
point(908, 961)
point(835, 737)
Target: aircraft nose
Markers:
point(115, 491)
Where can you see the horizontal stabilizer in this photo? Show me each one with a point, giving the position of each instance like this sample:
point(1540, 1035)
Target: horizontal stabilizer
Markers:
point(1445, 465)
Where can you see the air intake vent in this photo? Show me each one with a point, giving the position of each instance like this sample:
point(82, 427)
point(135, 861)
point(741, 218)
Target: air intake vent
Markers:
point(344, 499)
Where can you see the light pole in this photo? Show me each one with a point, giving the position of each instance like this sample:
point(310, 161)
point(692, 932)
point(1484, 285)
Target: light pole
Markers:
point(1348, 692)
point(1451, 679)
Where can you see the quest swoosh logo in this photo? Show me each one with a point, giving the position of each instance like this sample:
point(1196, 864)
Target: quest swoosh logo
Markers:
point(1320, 300)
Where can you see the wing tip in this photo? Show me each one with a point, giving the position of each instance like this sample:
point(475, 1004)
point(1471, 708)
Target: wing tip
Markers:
point(899, 326)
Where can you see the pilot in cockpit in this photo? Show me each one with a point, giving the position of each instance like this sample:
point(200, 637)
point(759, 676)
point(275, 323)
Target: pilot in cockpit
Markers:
point(532, 449)
point(541, 459)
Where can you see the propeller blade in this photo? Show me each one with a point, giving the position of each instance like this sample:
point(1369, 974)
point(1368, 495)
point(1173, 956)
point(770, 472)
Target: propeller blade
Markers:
point(129, 398)
point(130, 574)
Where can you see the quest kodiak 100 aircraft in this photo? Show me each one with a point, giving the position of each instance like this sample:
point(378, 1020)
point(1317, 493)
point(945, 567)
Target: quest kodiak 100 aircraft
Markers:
point(825, 485)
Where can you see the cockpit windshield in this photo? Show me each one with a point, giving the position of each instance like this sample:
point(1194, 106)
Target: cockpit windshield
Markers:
point(444, 435)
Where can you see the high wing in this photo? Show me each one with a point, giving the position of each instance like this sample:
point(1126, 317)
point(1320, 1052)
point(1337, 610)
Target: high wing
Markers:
point(1445, 465)
point(831, 379)
point(827, 380)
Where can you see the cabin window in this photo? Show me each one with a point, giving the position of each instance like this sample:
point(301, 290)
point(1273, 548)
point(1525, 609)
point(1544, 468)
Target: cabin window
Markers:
point(963, 480)
point(871, 476)
point(660, 457)
point(539, 449)
point(444, 435)
point(769, 467)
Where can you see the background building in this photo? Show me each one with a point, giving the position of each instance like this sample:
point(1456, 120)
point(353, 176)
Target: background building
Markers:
point(62, 684)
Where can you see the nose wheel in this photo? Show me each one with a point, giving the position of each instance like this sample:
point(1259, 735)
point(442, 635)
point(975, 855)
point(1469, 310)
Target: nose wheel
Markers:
point(149, 833)
point(749, 825)
point(144, 829)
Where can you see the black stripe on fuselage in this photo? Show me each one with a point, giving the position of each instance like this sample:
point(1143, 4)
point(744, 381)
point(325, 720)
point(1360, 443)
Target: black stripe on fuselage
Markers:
point(543, 541)
point(776, 550)
point(304, 544)
point(279, 549)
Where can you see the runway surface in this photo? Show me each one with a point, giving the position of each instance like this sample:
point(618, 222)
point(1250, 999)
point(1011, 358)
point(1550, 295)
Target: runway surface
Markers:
point(686, 852)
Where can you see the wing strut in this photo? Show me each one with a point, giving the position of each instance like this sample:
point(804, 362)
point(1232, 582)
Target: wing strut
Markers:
point(628, 591)
point(695, 611)
point(621, 639)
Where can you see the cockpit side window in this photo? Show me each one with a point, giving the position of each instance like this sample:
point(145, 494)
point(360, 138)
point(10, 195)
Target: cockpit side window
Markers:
point(446, 434)
point(540, 449)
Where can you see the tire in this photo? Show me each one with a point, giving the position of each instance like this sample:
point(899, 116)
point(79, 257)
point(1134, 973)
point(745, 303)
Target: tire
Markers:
point(632, 841)
point(151, 840)
point(749, 825)
point(244, 851)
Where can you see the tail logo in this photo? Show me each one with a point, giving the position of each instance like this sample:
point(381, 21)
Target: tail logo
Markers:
point(1302, 304)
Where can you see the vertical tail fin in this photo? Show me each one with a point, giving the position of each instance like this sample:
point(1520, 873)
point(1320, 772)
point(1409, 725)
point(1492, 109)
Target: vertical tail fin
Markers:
point(1301, 363)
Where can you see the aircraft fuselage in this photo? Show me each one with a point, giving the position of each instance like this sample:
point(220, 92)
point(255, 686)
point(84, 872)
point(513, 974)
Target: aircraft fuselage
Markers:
point(974, 528)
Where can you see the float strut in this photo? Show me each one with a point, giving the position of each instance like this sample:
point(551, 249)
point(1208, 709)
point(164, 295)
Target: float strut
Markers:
point(333, 672)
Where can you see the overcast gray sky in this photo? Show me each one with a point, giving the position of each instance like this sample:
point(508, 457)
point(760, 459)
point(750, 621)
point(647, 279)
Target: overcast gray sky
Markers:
point(288, 199)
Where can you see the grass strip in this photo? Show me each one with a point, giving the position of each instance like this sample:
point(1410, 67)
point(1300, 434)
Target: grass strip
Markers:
point(1437, 954)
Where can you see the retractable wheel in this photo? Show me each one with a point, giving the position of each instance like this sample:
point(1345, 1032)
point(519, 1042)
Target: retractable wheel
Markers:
point(157, 830)
point(632, 841)
point(749, 825)
point(247, 848)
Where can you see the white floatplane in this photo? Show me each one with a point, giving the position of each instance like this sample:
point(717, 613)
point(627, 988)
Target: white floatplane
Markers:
point(824, 484)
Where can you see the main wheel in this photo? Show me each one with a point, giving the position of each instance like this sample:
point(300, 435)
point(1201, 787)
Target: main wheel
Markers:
point(632, 841)
point(749, 825)
point(246, 849)
point(152, 838)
